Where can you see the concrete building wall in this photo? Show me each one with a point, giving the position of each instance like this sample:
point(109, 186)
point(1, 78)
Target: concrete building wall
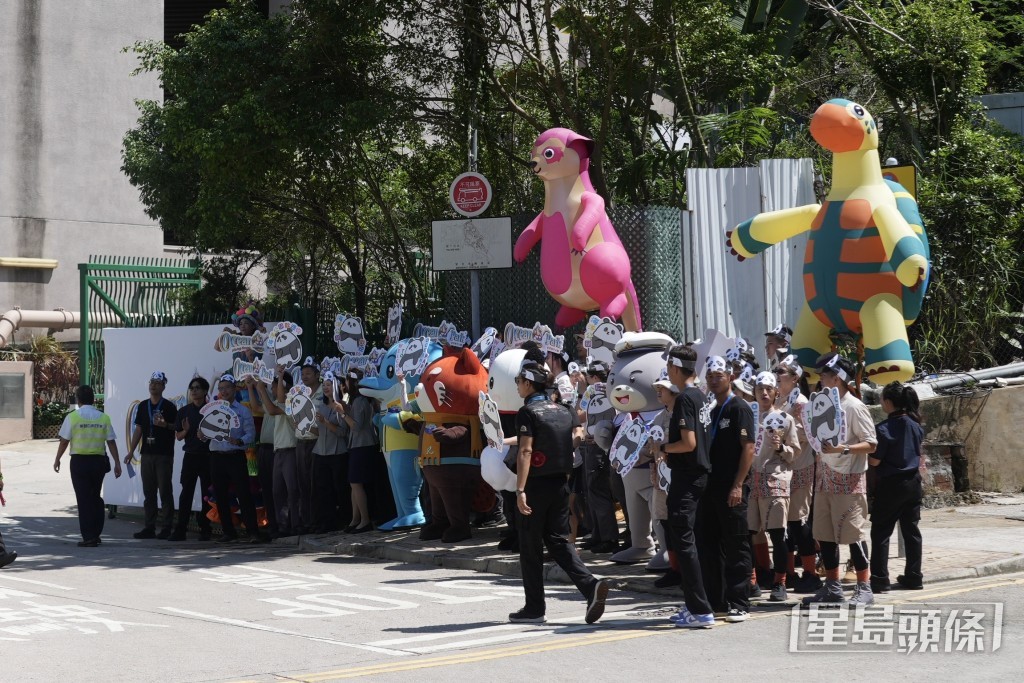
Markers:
point(69, 97)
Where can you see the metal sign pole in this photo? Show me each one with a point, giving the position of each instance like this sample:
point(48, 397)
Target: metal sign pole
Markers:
point(474, 275)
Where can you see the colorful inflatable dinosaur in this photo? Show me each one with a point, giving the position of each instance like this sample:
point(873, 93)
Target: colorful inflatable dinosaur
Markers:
point(582, 262)
point(866, 266)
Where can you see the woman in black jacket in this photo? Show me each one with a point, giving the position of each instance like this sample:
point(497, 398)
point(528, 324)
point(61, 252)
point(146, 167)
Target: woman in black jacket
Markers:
point(899, 490)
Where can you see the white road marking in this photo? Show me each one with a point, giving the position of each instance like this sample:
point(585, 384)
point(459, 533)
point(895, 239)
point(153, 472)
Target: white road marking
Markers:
point(8, 577)
point(279, 631)
point(298, 575)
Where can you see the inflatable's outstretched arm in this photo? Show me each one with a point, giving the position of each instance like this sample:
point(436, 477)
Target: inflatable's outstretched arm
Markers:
point(528, 240)
point(903, 247)
point(591, 212)
point(753, 236)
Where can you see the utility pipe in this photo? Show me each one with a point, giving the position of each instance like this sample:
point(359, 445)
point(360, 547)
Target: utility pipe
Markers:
point(57, 319)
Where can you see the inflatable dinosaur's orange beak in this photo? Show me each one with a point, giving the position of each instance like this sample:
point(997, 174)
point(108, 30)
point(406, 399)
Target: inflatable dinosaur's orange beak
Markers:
point(836, 129)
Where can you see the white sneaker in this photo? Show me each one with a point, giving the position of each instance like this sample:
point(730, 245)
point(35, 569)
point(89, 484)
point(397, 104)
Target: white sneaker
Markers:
point(736, 615)
point(862, 595)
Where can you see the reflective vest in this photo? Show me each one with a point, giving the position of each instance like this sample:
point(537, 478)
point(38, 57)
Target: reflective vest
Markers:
point(89, 436)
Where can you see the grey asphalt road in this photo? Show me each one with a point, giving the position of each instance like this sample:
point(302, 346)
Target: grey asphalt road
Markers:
point(155, 611)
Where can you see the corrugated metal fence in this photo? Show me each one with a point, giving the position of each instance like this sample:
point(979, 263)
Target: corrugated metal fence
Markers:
point(719, 292)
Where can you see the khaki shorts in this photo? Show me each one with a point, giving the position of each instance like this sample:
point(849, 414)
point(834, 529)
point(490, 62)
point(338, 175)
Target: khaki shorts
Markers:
point(800, 504)
point(840, 517)
point(659, 504)
point(767, 513)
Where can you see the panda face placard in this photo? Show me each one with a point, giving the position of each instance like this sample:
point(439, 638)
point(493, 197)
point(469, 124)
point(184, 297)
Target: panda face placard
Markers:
point(218, 421)
point(625, 449)
point(412, 356)
point(772, 422)
point(348, 334)
point(490, 421)
point(600, 338)
point(298, 405)
point(285, 344)
point(598, 406)
point(664, 476)
point(824, 419)
point(394, 327)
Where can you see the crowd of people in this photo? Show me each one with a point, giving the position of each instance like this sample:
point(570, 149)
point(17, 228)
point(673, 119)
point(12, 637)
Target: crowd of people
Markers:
point(734, 519)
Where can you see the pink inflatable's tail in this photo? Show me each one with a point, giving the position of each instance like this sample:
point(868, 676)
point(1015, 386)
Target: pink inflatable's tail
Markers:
point(631, 316)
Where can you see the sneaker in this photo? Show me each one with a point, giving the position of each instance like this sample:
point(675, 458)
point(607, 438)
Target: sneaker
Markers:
point(829, 594)
point(205, 535)
point(177, 536)
point(695, 620)
point(226, 539)
point(754, 590)
point(524, 617)
point(145, 533)
point(670, 579)
point(509, 544)
point(91, 543)
point(779, 593)
point(7, 558)
point(808, 583)
point(682, 615)
point(736, 615)
point(862, 595)
point(595, 607)
point(909, 584)
point(164, 534)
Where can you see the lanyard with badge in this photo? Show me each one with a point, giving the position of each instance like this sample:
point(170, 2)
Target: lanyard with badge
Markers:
point(151, 439)
point(716, 421)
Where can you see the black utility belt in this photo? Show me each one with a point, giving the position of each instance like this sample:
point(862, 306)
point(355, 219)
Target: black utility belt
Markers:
point(87, 455)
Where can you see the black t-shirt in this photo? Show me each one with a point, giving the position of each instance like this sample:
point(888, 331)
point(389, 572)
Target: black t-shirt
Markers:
point(163, 443)
point(687, 414)
point(193, 444)
point(732, 427)
point(551, 425)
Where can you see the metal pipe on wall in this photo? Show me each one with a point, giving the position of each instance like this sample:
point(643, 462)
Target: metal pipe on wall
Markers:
point(58, 319)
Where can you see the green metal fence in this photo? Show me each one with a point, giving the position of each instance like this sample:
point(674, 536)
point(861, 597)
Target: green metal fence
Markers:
point(128, 292)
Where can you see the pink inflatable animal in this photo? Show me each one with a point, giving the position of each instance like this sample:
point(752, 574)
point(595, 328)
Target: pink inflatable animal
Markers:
point(582, 262)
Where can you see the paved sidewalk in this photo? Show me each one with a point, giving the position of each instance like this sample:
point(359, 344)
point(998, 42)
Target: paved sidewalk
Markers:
point(961, 542)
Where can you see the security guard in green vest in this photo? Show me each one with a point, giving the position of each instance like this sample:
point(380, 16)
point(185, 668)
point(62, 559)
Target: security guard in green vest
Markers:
point(90, 434)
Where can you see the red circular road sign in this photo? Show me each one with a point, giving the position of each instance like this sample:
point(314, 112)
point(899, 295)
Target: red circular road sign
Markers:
point(470, 194)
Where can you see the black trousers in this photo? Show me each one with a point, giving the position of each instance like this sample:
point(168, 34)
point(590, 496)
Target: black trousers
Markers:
point(548, 526)
point(601, 503)
point(304, 476)
point(195, 467)
point(157, 476)
point(228, 470)
point(265, 464)
point(87, 473)
point(723, 546)
point(331, 491)
point(683, 500)
point(897, 501)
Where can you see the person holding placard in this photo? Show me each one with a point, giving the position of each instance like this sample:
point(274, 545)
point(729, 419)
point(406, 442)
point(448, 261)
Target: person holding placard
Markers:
point(840, 498)
point(228, 469)
point(154, 429)
point(792, 398)
point(771, 473)
point(285, 476)
point(195, 464)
